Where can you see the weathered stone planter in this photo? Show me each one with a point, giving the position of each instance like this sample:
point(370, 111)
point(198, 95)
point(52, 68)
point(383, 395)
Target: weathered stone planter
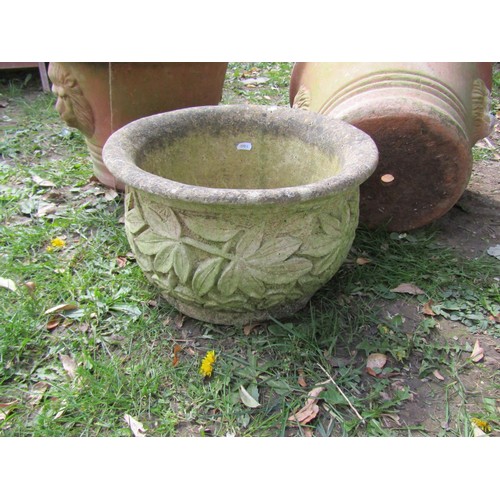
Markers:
point(240, 212)
point(424, 118)
point(99, 98)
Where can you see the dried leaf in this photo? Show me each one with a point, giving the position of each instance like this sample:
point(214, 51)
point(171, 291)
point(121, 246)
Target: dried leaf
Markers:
point(110, 195)
point(31, 286)
point(427, 309)
point(61, 307)
point(69, 365)
point(477, 353)
point(37, 392)
point(121, 261)
point(135, 426)
point(8, 283)
point(42, 182)
point(408, 288)
point(177, 349)
point(53, 323)
point(375, 362)
point(248, 329)
point(247, 399)
point(361, 261)
point(437, 375)
point(310, 410)
point(301, 380)
point(45, 209)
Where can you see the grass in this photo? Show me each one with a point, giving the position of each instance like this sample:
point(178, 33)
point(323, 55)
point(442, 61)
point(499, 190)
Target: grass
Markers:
point(116, 348)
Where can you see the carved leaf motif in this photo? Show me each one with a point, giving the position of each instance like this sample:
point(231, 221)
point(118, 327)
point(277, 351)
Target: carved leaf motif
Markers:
point(330, 224)
point(250, 242)
point(164, 259)
point(163, 221)
point(274, 251)
point(284, 272)
point(325, 263)
point(135, 221)
point(205, 277)
point(210, 229)
point(185, 294)
point(150, 243)
point(251, 286)
point(182, 263)
point(229, 280)
point(318, 246)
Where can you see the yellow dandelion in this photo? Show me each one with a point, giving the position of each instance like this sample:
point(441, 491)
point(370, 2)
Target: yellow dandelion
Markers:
point(207, 365)
point(482, 424)
point(56, 244)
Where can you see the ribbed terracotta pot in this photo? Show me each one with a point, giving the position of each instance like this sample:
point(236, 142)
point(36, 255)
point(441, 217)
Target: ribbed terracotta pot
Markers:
point(240, 213)
point(99, 98)
point(424, 118)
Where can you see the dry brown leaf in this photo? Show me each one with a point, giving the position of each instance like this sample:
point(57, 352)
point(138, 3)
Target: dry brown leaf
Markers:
point(46, 209)
point(42, 182)
point(477, 353)
point(375, 362)
point(437, 375)
point(301, 380)
point(176, 350)
point(37, 392)
point(61, 307)
point(361, 261)
point(408, 288)
point(69, 365)
point(53, 323)
point(427, 309)
point(135, 426)
point(121, 261)
point(310, 410)
point(248, 329)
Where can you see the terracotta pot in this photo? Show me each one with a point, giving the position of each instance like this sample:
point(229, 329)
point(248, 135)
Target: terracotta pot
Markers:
point(239, 213)
point(99, 98)
point(424, 118)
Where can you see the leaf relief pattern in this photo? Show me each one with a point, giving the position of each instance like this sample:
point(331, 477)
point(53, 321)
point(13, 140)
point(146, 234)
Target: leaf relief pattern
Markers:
point(220, 263)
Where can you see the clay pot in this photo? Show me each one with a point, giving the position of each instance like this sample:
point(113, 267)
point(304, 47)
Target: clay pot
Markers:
point(99, 98)
point(239, 213)
point(424, 118)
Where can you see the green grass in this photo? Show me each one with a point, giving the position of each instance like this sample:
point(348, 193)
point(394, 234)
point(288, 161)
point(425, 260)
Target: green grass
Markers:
point(121, 335)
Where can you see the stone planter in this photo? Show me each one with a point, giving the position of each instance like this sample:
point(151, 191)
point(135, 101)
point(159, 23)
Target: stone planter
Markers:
point(99, 98)
point(424, 118)
point(239, 213)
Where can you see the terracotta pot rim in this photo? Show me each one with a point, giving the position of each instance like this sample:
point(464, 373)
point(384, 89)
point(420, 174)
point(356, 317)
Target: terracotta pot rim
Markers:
point(358, 152)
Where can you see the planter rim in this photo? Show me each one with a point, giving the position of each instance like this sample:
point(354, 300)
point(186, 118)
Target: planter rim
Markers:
point(356, 148)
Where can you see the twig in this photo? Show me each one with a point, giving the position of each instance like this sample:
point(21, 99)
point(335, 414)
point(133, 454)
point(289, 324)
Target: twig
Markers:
point(343, 395)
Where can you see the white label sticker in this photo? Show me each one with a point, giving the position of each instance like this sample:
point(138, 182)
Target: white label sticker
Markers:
point(244, 145)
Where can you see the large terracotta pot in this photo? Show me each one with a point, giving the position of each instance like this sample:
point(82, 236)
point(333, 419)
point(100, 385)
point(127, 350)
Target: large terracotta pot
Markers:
point(424, 118)
point(239, 213)
point(99, 98)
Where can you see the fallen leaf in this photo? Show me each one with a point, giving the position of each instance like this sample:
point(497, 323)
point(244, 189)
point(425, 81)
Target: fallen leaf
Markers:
point(361, 261)
point(61, 307)
point(477, 353)
point(69, 365)
point(494, 251)
point(177, 349)
point(408, 288)
point(31, 286)
point(110, 195)
point(37, 392)
point(179, 320)
point(427, 309)
point(437, 375)
point(247, 399)
point(301, 380)
point(42, 182)
point(45, 209)
point(248, 329)
point(53, 323)
point(121, 261)
point(375, 362)
point(310, 410)
point(135, 426)
point(8, 283)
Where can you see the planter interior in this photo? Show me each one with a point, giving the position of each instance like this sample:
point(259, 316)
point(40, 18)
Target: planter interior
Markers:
point(239, 213)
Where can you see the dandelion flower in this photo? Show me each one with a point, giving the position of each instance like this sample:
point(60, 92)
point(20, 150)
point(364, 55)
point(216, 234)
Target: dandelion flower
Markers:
point(483, 425)
point(56, 244)
point(207, 365)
